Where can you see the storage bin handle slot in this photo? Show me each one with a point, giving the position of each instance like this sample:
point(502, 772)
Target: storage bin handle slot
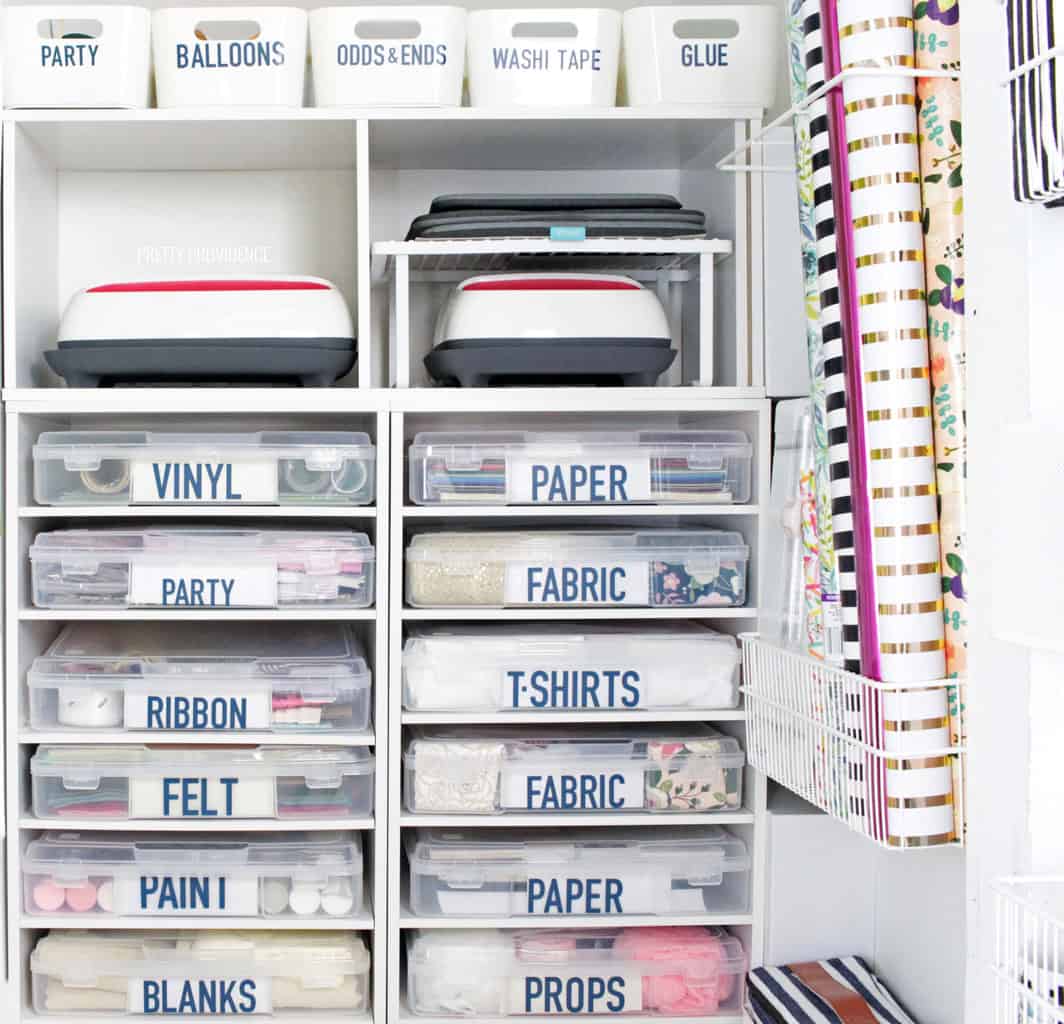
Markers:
point(705, 28)
point(243, 29)
point(376, 28)
point(70, 28)
point(544, 30)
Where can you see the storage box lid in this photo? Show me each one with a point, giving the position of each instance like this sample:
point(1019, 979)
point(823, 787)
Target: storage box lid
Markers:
point(318, 657)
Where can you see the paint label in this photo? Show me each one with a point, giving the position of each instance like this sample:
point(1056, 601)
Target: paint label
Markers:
point(190, 894)
point(216, 584)
point(579, 583)
point(206, 997)
point(578, 480)
point(568, 790)
point(633, 891)
point(202, 796)
point(251, 482)
point(554, 689)
point(568, 992)
point(177, 710)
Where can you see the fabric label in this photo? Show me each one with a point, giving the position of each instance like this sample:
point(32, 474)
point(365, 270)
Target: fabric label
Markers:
point(216, 584)
point(205, 997)
point(203, 796)
point(631, 891)
point(563, 689)
point(609, 583)
point(177, 710)
point(253, 482)
point(573, 790)
point(578, 480)
point(216, 894)
point(568, 992)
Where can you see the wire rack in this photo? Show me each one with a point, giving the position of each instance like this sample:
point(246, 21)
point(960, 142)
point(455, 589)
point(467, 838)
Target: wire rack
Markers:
point(1029, 950)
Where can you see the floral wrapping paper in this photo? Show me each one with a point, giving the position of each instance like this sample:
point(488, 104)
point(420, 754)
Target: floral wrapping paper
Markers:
point(672, 584)
point(683, 777)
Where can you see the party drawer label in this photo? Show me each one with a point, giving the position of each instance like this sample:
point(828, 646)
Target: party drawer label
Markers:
point(579, 481)
point(561, 689)
point(252, 482)
point(215, 584)
point(632, 891)
point(201, 796)
point(610, 583)
point(566, 992)
point(561, 790)
point(141, 895)
point(175, 710)
point(204, 997)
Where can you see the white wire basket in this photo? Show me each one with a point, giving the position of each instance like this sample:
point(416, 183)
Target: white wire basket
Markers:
point(1029, 950)
point(882, 757)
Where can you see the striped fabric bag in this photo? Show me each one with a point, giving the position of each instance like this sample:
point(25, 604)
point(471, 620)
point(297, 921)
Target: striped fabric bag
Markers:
point(837, 991)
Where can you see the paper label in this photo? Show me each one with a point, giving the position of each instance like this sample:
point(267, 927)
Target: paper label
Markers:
point(631, 891)
point(201, 796)
point(580, 583)
point(216, 584)
point(568, 992)
point(252, 482)
point(578, 480)
point(562, 790)
point(540, 689)
point(215, 894)
point(207, 997)
point(176, 710)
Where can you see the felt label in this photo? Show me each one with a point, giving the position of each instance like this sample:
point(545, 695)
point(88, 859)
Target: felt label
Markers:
point(202, 796)
point(207, 997)
point(179, 710)
point(561, 789)
point(578, 480)
point(580, 583)
point(251, 482)
point(216, 584)
point(561, 992)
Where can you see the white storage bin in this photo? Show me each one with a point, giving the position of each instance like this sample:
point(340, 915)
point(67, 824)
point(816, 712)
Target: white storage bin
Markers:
point(229, 56)
point(682, 971)
point(557, 667)
point(201, 784)
point(317, 875)
point(77, 56)
point(554, 873)
point(202, 567)
point(554, 57)
point(572, 768)
point(582, 467)
point(405, 56)
point(585, 568)
point(147, 677)
point(716, 55)
point(136, 467)
point(199, 973)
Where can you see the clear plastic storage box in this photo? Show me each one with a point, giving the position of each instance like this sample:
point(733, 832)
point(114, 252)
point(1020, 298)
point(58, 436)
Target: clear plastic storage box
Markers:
point(316, 875)
point(580, 467)
point(199, 784)
point(558, 667)
point(136, 467)
point(585, 568)
point(572, 769)
point(147, 677)
point(202, 567)
point(199, 973)
point(680, 971)
point(602, 872)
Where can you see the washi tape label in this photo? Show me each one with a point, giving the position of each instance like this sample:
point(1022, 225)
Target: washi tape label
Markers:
point(176, 710)
point(615, 991)
point(540, 689)
point(201, 796)
point(146, 894)
point(216, 584)
point(630, 891)
point(546, 58)
point(561, 790)
point(251, 482)
point(206, 997)
point(568, 481)
point(586, 583)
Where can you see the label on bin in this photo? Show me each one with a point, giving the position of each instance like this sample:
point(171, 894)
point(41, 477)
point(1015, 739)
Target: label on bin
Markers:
point(562, 991)
point(554, 689)
point(201, 796)
point(216, 894)
point(252, 482)
point(205, 997)
point(216, 584)
point(578, 480)
point(572, 790)
point(634, 890)
point(176, 710)
point(606, 583)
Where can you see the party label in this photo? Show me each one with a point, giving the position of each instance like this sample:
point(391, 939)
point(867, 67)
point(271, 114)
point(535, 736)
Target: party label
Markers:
point(201, 796)
point(583, 583)
point(176, 711)
point(567, 481)
point(566, 992)
point(251, 482)
point(216, 584)
point(631, 891)
point(567, 689)
point(561, 790)
point(215, 894)
point(204, 997)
